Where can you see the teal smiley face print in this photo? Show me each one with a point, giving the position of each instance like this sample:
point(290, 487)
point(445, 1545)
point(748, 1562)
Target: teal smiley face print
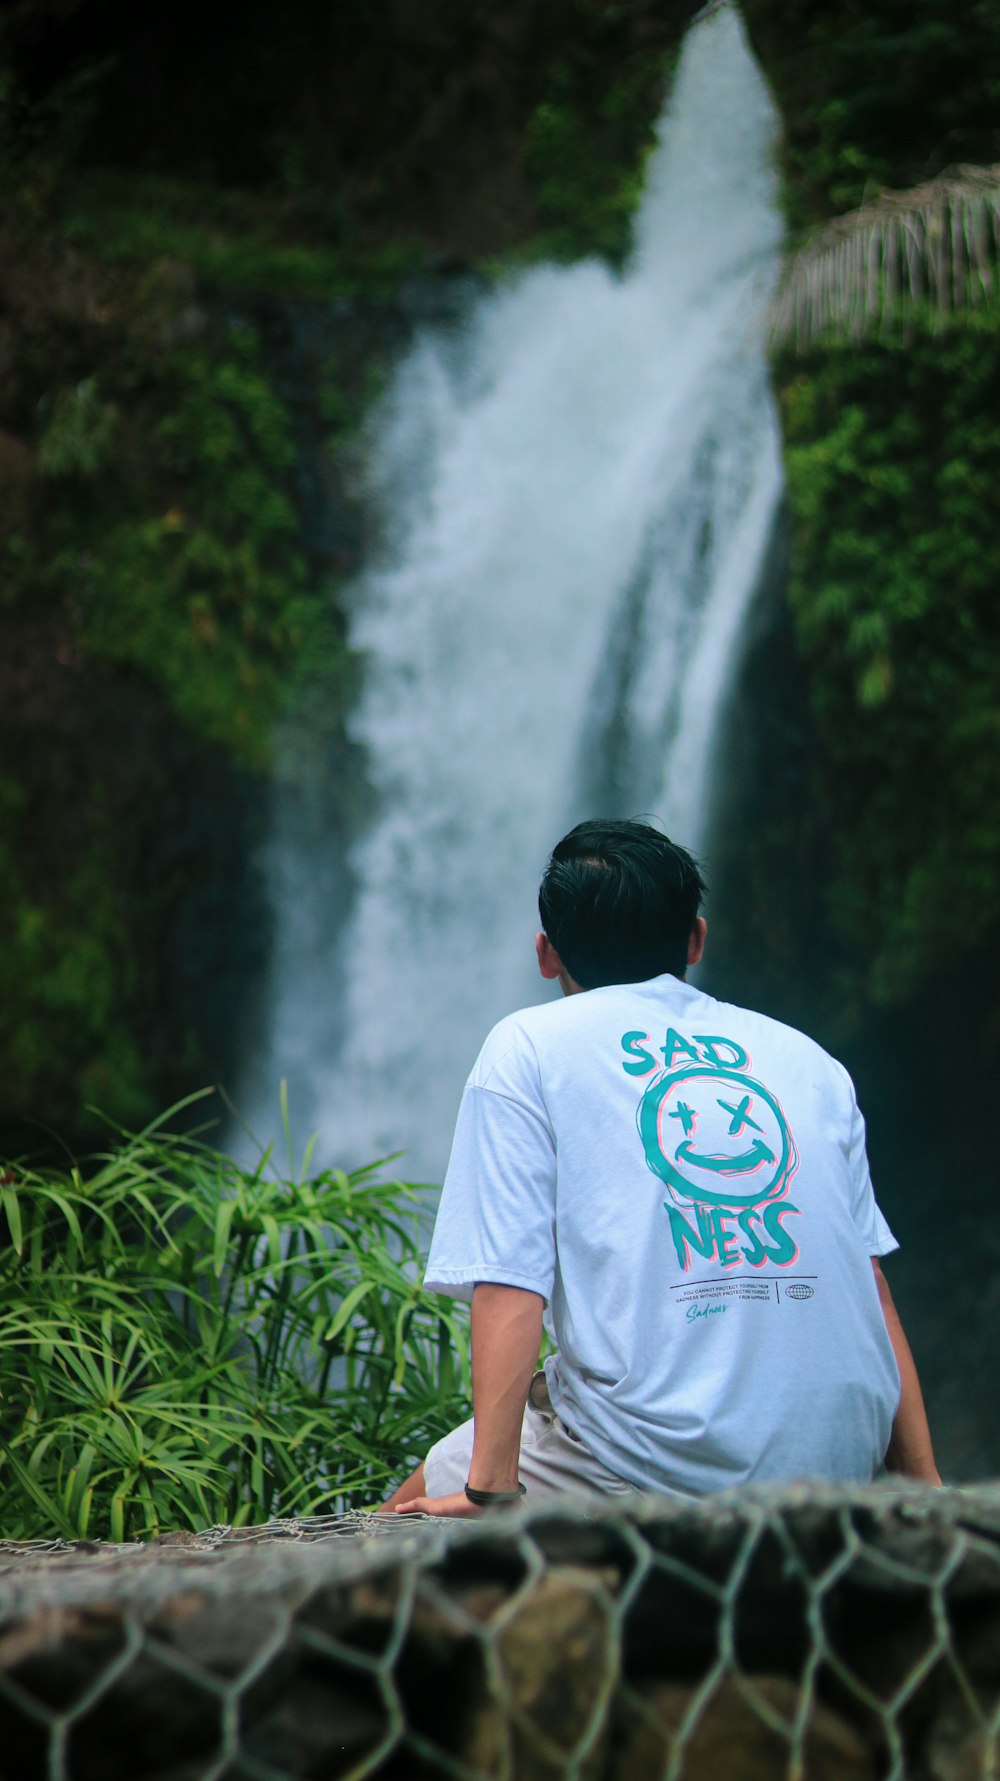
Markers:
point(716, 1136)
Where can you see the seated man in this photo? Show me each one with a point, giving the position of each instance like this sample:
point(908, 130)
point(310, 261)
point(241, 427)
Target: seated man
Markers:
point(684, 1184)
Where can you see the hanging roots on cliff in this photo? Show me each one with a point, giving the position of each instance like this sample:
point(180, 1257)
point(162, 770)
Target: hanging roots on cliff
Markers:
point(937, 245)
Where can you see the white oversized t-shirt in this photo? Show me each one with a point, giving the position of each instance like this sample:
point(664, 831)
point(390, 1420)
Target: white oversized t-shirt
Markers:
point(685, 1184)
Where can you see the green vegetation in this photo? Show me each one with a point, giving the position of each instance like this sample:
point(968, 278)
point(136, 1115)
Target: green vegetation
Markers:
point(66, 977)
point(233, 242)
point(184, 1342)
point(893, 459)
point(886, 94)
point(178, 534)
point(292, 241)
point(587, 141)
point(157, 589)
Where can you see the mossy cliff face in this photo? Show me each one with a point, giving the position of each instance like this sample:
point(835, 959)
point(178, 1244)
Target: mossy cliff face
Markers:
point(155, 609)
point(893, 471)
point(894, 474)
point(214, 233)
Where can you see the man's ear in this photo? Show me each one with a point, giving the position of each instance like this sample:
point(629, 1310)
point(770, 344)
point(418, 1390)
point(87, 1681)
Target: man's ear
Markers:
point(696, 944)
point(549, 962)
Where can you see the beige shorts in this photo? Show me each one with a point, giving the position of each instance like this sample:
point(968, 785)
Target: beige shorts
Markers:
point(553, 1461)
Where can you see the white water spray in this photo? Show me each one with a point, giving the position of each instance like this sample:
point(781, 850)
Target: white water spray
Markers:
point(579, 494)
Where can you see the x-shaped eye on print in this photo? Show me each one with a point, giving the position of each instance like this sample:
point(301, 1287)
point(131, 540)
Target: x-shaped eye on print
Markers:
point(741, 1116)
point(687, 1116)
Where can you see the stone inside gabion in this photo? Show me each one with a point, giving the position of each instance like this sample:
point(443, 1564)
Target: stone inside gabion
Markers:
point(813, 1633)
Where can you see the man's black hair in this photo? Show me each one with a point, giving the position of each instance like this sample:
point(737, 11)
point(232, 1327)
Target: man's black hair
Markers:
point(618, 901)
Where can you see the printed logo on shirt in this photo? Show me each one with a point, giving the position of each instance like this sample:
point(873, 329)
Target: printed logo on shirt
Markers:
point(720, 1142)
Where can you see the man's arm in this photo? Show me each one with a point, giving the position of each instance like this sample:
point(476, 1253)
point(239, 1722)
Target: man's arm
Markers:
point(910, 1450)
point(506, 1338)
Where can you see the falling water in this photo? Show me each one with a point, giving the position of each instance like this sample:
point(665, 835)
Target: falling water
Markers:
point(578, 494)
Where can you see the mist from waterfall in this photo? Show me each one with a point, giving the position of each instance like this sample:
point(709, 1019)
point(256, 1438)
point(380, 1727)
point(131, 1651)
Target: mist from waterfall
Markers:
point(577, 489)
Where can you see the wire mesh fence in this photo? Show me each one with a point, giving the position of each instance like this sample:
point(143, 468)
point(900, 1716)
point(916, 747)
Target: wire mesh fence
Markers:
point(808, 1633)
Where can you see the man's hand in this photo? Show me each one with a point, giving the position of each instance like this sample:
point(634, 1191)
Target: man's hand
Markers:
point(458, 1505)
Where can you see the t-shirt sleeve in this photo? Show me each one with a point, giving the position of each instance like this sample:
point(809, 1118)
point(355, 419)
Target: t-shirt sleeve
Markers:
point(865, 1209)
point(496, 1219)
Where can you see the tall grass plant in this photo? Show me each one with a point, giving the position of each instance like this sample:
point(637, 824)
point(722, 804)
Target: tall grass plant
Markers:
point(185, 1342)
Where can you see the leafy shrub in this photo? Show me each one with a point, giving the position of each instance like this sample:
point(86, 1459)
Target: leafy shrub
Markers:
point(185, 1342)
point(78, 432)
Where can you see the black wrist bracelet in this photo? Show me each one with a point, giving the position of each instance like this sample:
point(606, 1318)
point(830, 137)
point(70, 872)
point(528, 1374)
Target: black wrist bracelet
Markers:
point(487, 1499)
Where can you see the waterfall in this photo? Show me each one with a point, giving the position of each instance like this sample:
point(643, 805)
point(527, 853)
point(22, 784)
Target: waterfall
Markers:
point(577, 487)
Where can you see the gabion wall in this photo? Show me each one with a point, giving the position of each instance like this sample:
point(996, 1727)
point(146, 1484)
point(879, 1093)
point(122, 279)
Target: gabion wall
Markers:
point(813, 1633)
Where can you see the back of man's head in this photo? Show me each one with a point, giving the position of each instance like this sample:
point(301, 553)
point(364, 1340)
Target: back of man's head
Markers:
point(618, 901)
